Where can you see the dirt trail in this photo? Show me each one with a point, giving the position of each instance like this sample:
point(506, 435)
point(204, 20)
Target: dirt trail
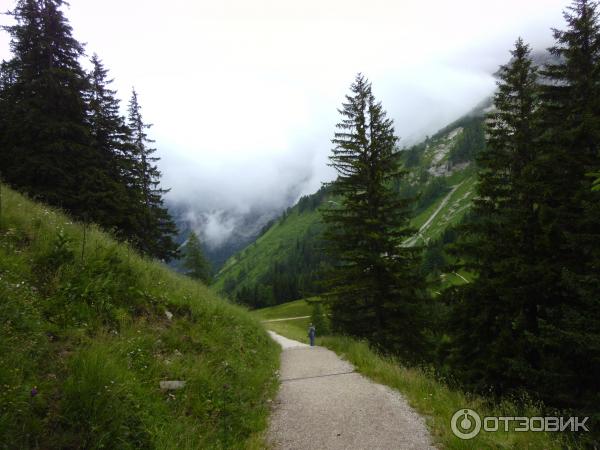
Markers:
point(284, 319)
point(324, 404)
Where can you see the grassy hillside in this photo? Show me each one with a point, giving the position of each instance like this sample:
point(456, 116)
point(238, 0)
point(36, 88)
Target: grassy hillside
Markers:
point(88, 329)
point(297, 308)
point(294, 329)
point(284, 263)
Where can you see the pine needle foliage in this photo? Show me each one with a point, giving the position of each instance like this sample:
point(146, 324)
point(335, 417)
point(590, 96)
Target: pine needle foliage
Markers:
point(63, 140)
point(495, 319)
point(530, 321)
point(376, 290)
point(194, 262)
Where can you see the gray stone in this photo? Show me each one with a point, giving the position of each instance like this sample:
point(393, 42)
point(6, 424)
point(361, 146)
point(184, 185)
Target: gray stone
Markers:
point(171, 385)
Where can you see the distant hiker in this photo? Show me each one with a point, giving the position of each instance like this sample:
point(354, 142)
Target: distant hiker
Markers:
point(311, 334)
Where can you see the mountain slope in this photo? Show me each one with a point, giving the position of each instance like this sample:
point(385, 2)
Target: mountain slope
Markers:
point(447, 210)
point(88, 329)
point(223, 233)
point(284, 263)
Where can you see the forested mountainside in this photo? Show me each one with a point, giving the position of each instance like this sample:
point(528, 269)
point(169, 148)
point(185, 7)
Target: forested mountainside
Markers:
point(245, 228)
point(285, 262)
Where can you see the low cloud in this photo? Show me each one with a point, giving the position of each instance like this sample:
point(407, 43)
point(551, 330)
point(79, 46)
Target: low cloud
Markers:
point(244, 94)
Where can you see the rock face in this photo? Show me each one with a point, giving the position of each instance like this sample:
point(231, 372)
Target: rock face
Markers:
point(171, 385)
point(438, 154)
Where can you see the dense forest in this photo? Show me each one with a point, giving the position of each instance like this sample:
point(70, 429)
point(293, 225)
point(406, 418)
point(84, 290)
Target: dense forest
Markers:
point(64, 141)
point(529, 321)
point(294, 271)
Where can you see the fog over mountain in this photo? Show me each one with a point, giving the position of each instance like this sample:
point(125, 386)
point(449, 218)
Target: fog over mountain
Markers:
point(244, 96)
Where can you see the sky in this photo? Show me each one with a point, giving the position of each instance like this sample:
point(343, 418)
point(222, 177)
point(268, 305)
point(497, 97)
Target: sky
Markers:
point(243, 94)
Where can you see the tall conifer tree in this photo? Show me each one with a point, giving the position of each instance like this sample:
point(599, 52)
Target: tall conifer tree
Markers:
point(376, 289)
point(155, 225)
point(194, 261)
point(495, 319)
point(46, 144)
point(531, 319)
point(63, 140)
point(570, 210)
point(110, 138)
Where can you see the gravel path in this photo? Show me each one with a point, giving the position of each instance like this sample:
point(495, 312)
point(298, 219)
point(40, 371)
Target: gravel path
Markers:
point(324, 404)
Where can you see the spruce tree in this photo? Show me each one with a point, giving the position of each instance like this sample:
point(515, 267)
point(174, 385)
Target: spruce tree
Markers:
point(376, 290)
point(494, 321)
point(531, 318)
point(155, 227)
point(112, 172)
point(45, 143)
point(62, 138)
point(7, 80)
point(194, 261)
point(570, 210)
point(25, 45)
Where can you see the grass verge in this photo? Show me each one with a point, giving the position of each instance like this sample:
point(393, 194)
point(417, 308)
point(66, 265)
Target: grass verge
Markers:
point(297, 308)
point(293, 329)
point(435, 401)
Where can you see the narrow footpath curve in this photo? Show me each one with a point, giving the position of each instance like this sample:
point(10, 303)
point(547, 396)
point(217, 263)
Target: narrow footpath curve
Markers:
point(286, 318)
point(324, 404)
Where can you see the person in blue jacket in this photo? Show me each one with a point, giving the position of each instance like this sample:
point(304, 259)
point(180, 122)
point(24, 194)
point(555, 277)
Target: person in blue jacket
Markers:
point(312, 332)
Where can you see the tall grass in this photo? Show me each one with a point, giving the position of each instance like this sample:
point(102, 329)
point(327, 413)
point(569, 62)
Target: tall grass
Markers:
point(85, 340)
point(437, 402)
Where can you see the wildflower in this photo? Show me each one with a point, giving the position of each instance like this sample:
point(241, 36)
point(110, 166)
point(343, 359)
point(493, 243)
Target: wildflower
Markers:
point(34, 391)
